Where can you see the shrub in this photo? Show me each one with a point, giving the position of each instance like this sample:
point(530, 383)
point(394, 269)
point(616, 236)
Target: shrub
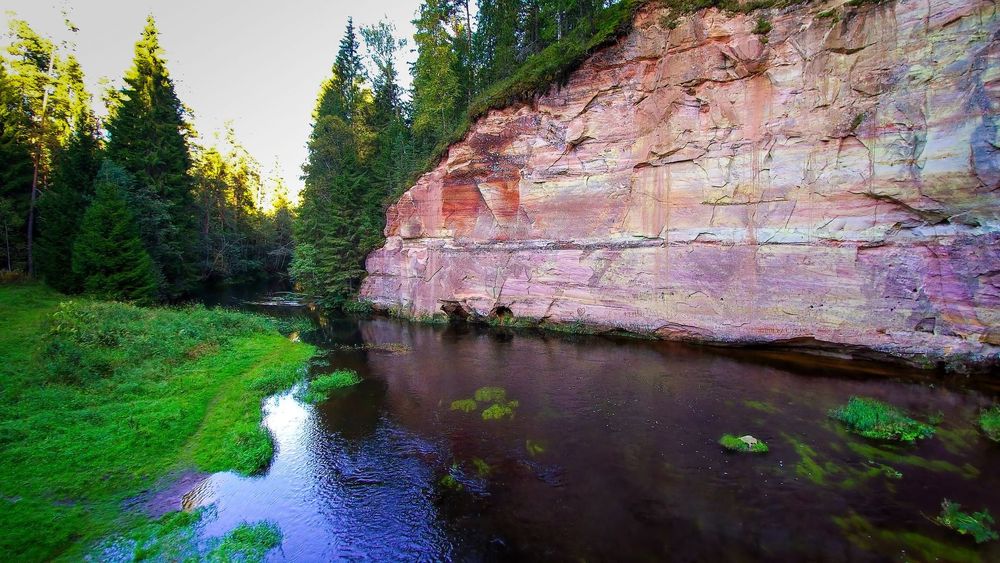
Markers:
point(874, 419)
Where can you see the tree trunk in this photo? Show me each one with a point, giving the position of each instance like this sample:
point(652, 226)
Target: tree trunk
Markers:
point(34, 179)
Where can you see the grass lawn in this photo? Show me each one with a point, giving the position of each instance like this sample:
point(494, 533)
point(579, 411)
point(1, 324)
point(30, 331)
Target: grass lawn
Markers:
point(100, 400)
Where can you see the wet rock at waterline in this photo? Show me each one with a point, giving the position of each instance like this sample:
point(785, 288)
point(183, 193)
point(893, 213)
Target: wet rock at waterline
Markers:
point(834, 187)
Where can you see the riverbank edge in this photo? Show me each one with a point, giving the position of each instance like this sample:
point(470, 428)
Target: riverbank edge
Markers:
point(942, 363)
point(235, 401)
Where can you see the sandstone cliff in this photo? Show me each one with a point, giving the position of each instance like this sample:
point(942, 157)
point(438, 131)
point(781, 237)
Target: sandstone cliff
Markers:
point(835, 184)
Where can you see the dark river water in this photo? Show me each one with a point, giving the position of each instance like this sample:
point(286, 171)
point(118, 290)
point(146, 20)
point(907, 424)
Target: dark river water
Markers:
point(609, 453)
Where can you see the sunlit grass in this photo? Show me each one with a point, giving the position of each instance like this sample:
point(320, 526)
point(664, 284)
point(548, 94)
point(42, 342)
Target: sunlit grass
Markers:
point(100, 400)
point(319, 389)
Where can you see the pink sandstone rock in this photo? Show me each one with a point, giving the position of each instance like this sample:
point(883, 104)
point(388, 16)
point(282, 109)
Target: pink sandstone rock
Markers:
point(836, 186)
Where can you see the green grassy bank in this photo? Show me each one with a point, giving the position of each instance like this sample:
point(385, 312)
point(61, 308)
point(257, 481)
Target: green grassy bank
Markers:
point(98, 401)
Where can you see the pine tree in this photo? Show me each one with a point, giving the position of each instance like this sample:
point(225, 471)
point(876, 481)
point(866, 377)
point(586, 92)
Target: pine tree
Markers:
point(62, 206)
point(393, 155)
point(108, 254)
point(74, 168)
point(334, 230)
point(15, 172)
point(50, 90)
point(148, 138)
point(495, 42)
point(436, 86)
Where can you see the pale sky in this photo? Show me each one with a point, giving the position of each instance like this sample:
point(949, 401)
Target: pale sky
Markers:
point(258, 63)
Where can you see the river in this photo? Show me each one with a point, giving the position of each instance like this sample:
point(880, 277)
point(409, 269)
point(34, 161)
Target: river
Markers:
point(609, 453)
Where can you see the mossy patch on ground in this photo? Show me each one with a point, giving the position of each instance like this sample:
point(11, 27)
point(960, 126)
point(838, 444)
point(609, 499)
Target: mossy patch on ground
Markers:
point(108, 398)
point(874, 419)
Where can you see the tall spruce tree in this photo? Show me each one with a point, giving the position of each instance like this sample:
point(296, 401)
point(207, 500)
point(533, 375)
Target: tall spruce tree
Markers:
point(108, 254)
point(49, 93)
point(393, 155)
point(15, 172)
point(148, 138)
point(63, 204)
point(436, 85)
point(495, 43)
point(74, 167)
point(331, 232)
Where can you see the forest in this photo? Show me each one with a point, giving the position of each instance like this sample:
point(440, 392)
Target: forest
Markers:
point(137, 206)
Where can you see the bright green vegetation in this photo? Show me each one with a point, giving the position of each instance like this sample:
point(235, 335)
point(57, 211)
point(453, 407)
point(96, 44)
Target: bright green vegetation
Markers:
point(319, 389)
point(108, 257)
point(978, 524)
point(889, 453)
point(762, 28)
point(869, 537)
point(101, 400)
point(464, 405)
point(135, 206)
point(737, 444)
point(497, 411)
point(495, 398)
point(820, 471)
point(176, 537)
point(874, 419)
point(989, 421)
point(246, 542)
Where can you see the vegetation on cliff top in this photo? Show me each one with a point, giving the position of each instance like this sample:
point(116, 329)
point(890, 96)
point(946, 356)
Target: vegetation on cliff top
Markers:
point(100, 400)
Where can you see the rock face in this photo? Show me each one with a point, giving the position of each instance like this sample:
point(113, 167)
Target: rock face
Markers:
point(836, 185)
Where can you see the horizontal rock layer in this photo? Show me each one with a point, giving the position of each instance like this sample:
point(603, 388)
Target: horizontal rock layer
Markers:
point(836, 183)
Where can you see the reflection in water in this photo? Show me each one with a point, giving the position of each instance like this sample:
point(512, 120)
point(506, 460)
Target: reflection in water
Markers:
point(610, 453)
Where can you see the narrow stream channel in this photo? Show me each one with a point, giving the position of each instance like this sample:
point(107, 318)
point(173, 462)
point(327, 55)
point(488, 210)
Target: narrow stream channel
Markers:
point(610, 454)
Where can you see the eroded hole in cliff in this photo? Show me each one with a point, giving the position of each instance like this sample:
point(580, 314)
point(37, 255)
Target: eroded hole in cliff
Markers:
point(501, 313)
point(454, 310)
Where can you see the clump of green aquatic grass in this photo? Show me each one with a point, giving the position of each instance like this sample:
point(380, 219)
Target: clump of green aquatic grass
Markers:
point(490, 394)
point(464, 405)
point(977, 524)
point(745, 444)
point(176, 536)
point(496, 411)
point(874, 419)
point(449, 481)
point(534, 448)
point(761, 406)
point(989, 421)
point(246, 542)
point(320, 388)
point(496, 399)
